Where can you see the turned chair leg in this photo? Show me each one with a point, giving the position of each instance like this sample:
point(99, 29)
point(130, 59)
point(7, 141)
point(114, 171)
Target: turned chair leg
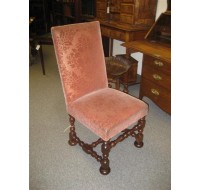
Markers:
point(106, 145)
point(139, 137)
point(105, 148)
point(72, 134)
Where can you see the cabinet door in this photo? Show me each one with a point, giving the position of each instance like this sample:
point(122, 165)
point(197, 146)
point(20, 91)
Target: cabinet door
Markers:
point(145, 11)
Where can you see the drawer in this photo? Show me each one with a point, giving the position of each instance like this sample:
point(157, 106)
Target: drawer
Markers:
point(158, 64)
point(127, 8)
point(154, 75)
point(160, 96)
point(115, 17)
point(117, 34)
point(101, 14)
point(105, 31)
point(100, 5)
point(127, 1)
point(126, 18)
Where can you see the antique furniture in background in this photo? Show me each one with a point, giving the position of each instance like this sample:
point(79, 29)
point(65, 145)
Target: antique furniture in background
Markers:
point(104, 111)
point(64, 12)
point(156, 69)
point(125, 20)
point(72, 11)
point(41, 11)
point(130, 77)
point(117, 68)
point(45, 39)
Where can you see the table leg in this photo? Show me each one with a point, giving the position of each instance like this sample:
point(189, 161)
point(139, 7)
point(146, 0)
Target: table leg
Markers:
point(110, 47)
point(42, 60)
point(117, 84)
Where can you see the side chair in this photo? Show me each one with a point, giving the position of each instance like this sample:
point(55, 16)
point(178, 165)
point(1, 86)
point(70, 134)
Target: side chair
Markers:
point(105, 111)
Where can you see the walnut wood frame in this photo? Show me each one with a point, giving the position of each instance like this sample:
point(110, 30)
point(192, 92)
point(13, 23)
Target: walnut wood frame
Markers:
point(136, 131)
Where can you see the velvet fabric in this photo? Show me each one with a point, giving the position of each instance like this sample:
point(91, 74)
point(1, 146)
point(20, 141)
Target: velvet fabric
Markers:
point(81, 64)
point(107, 111)
point(80, 58)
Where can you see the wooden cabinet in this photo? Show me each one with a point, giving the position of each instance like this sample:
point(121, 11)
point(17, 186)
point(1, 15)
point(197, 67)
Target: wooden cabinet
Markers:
point(125, 20)
point(39, 9)
point(156, 68)
point(156, 81)
point(72, 11)
point(88, 9)
point(64, 11)
point(133, 12)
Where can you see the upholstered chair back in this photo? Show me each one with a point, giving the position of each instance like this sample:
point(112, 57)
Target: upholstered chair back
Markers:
point(80, 59)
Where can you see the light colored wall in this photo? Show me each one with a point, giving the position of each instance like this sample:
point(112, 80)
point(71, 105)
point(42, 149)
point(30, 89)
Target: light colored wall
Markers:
point(118, 49)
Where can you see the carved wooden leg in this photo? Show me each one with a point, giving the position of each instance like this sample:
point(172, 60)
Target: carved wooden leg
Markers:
point(105, 148)
point(125, 88)
point(72, 134)
point(117, 84)
point(139, 137)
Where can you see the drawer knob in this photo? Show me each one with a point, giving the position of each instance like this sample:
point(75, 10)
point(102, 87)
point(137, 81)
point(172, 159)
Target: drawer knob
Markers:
point(157, 77)
point(155, 92)
point(158, 63)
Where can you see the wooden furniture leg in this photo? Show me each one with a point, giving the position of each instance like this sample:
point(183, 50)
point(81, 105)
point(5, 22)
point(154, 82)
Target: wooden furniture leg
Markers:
point(110, 47)
point(105, 148)
point(139, 136)
point(72, 134)
point(43, 40)
point(117, 84)
point(42, 60)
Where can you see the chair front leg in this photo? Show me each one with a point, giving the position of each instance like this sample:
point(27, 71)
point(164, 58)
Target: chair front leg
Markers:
point(139, 137)
point(105, 148)
point(72, 134)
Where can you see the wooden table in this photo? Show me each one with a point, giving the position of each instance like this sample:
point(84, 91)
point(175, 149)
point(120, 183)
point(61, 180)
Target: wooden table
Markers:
point(43, 40)
point(122, 32)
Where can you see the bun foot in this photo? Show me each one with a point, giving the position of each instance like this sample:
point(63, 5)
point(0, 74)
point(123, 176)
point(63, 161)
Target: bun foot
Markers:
point(138, 145)
point(104, 171)
point(72, 143)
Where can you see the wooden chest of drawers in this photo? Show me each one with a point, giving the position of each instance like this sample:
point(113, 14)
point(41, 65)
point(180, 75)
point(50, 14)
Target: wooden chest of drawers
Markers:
point(156, 71)
point(156, 68)
point(156, 82)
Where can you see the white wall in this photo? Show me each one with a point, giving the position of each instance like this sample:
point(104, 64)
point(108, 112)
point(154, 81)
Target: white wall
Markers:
point(118, 49)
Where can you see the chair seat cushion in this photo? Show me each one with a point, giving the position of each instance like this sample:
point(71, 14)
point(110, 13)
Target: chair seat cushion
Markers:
point(107, 111)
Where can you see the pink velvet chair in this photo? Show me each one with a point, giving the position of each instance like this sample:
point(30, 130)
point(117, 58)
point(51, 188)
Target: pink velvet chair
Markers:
point(105, 111)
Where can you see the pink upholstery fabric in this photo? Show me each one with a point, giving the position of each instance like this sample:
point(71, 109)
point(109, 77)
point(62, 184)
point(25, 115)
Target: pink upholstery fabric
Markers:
point(107, 111)
point(80, 58)
point(81, 64)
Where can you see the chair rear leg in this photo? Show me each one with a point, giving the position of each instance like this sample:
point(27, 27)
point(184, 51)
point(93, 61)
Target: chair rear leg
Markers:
point(72, 134)
point(105, 148)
